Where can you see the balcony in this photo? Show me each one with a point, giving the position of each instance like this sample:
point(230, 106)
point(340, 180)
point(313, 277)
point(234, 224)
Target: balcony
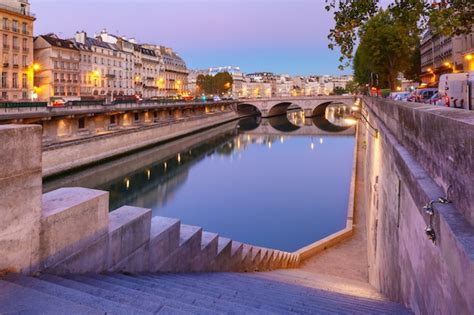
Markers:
point(20, 10)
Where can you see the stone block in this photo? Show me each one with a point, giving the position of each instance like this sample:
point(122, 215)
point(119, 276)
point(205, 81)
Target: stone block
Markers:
point(129, 231)
point(189, 248)
point(164, 240)
point(21, 149)
point(72, 220)
point(208, 253)
point(20, 197)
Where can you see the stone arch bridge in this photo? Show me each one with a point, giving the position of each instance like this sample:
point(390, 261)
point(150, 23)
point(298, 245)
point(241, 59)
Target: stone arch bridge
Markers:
point(312, 106)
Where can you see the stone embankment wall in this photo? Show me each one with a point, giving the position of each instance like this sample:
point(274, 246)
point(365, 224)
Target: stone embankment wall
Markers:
point(417, 153)
point(70, 230)
point(63, 157)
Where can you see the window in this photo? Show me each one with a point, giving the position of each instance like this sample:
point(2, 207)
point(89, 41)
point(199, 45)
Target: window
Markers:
point(4, 80)
point(5, 23)
point(15, 43)
point(82, 123)
point(24, 80)
point(15, 80)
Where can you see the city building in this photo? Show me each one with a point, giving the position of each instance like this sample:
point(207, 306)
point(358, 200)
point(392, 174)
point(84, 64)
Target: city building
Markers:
point(59, 73)
point(17, 67)
point(107, 76)
point(174, 78)
point(442, 54)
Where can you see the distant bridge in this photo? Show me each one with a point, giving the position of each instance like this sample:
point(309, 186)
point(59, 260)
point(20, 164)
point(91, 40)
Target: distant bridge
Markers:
point(312, 106)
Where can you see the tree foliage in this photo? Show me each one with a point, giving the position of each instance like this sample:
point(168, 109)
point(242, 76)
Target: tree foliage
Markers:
point(447, 17)
point(219, 84)
point(387, 47)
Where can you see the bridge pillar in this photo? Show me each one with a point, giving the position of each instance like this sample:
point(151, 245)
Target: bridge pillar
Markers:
point(308, 112)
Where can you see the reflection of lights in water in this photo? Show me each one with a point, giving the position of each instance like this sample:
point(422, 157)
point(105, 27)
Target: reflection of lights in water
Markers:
point(321, 140)
point(148, 174)
point(179, 158)
point(127, 183)
point(350, 121)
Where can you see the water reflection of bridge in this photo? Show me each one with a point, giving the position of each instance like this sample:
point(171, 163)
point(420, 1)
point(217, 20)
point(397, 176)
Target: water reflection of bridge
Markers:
point(295, 123)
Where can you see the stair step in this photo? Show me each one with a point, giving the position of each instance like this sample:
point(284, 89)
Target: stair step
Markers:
point(183, 294)
point(16, 299)
point(275, 293)
point(239, 291)
point(139, 296)
point(164, 239)
point(73, 295)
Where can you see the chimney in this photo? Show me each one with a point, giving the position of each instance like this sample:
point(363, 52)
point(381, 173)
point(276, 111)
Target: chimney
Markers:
point(80, 37)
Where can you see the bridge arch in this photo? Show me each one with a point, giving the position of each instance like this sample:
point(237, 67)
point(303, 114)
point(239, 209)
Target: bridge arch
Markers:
point(282, 108)
point(246, 109)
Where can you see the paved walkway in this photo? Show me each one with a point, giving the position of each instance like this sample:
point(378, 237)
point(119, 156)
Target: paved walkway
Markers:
point(348, 259)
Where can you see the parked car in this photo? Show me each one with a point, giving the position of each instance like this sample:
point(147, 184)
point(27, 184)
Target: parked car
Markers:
point(436, 99)
point(402, 96)
point(423, 95)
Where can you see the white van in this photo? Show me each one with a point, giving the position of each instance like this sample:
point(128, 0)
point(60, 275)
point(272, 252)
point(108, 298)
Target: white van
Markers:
point(455, 90)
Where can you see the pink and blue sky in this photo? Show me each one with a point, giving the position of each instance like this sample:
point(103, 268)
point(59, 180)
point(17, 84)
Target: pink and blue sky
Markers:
point(282, 36)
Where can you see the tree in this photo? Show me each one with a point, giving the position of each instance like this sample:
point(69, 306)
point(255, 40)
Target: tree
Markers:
point(352, 87)
point(219, 84)
point(447, 17)
point(339, 90)
point(387, 48)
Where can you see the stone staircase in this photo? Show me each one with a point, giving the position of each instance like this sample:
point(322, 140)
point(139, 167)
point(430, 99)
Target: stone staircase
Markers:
point(287, 292)
point(185, 248)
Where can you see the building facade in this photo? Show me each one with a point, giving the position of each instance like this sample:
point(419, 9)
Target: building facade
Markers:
point(17, 69)
point(174, 79)
point(106, 79)
point(442, 54)
point(59, 73)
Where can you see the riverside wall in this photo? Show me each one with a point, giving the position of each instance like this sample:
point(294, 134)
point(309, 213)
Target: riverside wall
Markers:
point(415, 154)
point(62, 157)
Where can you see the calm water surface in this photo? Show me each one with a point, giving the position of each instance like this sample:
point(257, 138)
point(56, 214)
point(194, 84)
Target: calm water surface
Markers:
point(253, 182)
